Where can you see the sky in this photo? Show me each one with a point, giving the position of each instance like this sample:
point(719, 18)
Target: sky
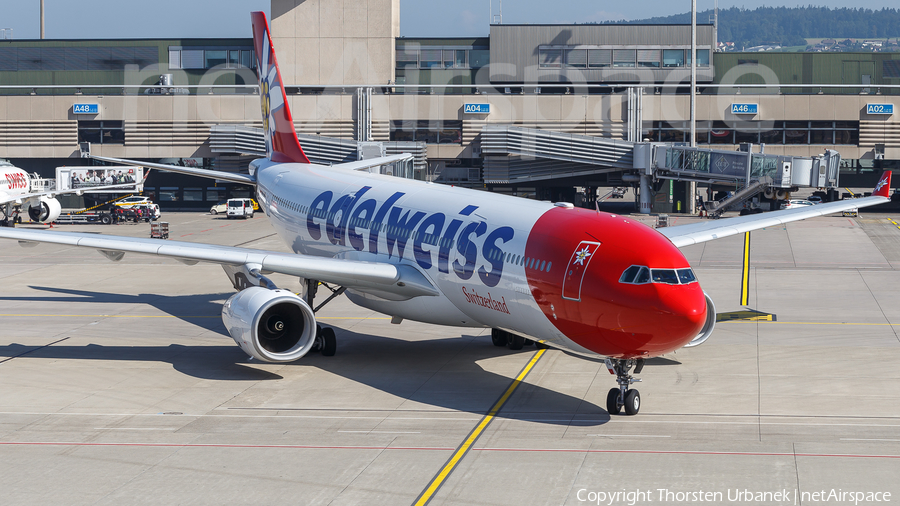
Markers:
point(92, 19)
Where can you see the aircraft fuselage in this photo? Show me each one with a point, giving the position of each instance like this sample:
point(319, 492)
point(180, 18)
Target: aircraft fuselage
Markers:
point(540, 270)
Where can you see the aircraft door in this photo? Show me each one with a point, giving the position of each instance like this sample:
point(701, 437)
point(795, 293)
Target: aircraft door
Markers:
point(573, 277)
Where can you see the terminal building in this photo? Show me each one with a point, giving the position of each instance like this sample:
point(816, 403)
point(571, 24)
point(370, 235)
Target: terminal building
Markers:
point(554, 112)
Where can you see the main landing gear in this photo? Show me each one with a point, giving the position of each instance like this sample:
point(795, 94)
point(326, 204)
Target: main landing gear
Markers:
point(513, 341)
point(623, 396)
point(325, 342)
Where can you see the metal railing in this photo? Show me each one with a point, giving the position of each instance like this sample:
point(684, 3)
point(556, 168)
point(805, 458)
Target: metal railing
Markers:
point(466, 89)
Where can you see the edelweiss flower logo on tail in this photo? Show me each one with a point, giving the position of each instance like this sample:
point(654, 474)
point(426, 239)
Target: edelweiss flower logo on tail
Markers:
point(270, 93)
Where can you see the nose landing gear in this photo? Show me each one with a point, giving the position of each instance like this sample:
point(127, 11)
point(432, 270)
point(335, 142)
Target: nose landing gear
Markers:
point(623, 396)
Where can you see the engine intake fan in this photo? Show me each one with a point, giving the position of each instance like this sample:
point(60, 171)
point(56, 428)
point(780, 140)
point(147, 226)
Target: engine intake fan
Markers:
point(270, 325)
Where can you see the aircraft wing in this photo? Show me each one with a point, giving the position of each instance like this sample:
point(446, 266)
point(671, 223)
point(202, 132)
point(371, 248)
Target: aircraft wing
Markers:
point(18, 199)
point(695, 233)
point(399, 281)
point(213, 174)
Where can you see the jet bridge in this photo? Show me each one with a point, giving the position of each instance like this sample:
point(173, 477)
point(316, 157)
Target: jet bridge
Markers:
point(516, 155)
point(708, 165)
point(750, 173)
point(523, 155)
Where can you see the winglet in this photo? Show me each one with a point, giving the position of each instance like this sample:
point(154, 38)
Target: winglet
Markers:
point(884, 185)
point(278, 125)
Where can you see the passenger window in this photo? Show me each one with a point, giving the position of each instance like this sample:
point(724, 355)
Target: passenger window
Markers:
point(686, 276)
point(666, 276)
point(629, 274)
point(548, 266)
point(543, 263)
point(643, 276)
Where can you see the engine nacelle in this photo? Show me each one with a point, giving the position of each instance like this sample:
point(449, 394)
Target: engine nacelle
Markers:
point(708, 327)
point(44, 209)
point(270, 325)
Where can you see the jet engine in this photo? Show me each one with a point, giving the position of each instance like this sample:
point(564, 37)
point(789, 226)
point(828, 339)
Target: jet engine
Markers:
point(270, 325)
point(707, 329)
point(44, 209)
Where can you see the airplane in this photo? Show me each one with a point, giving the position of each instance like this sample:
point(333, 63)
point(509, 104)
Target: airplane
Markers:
point(596, 284)
point(17, 190)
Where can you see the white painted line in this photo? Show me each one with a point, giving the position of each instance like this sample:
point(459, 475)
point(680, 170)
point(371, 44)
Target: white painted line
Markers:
point(397, 416)
point(861, 439)
point(134, 428)
point(624, 435)
point(379, 432)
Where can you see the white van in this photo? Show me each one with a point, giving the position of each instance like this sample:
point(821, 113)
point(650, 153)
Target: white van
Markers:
point(240, 208)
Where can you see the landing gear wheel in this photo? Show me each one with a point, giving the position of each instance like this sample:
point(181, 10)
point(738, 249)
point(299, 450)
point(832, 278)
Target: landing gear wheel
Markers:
point(632, 402)
point(329, 342)
point(317, 341)
point(516, 342)
point(499, 337)
point(624, 396)
point(612, 402)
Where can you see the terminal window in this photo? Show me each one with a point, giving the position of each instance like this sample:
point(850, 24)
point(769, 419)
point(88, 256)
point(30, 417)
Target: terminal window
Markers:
point(430, 132)
point(76, 58)
point(891, 69)
point(205, 58)
point(101, 132)
point(756, 132)
point(431, 57)
point(550, 58)
point(593, 57)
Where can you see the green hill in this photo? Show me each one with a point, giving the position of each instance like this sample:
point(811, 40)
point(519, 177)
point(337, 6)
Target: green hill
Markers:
point(792, 26)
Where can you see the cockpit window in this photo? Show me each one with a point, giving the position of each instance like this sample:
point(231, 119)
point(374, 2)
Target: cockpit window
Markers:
point(629, 274)
point(638, 275)
point(643, 276)
point(666, 276)
point(686, 276)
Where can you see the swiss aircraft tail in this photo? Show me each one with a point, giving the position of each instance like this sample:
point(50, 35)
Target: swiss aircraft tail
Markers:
point(281, 138)
point(883, 188)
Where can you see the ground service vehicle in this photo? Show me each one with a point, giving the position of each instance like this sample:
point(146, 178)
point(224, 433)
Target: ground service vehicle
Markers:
point(240, 208)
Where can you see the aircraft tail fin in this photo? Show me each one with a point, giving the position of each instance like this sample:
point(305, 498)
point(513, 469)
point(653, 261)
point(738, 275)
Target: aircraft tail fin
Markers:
point(883, 188)
point(278, 125)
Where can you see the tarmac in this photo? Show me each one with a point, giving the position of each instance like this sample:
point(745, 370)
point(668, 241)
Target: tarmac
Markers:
point(119, 385)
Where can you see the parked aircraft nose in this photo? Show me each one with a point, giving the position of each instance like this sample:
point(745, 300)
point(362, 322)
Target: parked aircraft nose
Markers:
point(596, 305)
point(683, 310)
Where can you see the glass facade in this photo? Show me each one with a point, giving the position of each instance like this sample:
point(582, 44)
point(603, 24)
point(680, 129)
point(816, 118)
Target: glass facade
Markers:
point(209, 57)
point(441, 57)
point(587, 57)
point(101, 132)
point(431, 132)
point(756, 132)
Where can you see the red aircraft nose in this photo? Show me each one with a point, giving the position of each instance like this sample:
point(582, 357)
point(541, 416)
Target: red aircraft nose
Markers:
point(683, 314)
point(590, 299)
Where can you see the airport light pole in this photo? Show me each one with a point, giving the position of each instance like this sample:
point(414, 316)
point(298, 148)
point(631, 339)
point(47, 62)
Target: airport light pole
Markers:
point(692, 186)
point(42, 19)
